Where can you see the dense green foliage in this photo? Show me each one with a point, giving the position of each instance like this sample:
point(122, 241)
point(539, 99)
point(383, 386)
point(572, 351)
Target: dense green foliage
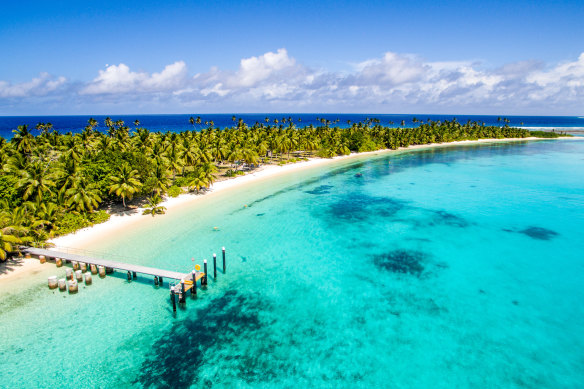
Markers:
point(547, 134)
point(52, 183)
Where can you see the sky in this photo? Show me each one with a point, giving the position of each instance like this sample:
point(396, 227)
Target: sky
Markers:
point(147, 57)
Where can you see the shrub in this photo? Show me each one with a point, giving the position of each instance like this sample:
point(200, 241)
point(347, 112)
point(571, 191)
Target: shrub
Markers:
point(174, 191)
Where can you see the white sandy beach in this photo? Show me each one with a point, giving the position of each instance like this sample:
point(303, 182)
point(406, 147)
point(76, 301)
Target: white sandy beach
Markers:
point(122, 221)
point(119, 222)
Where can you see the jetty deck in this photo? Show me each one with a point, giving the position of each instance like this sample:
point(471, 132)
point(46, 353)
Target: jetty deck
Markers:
point(113, 264)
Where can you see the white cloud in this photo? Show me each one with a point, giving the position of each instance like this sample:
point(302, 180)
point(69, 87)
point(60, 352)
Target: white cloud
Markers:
point(117, 79)
point(39, 86)
point(275, 81)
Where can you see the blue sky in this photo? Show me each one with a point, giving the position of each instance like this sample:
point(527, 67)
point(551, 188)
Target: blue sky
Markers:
point(499, 57)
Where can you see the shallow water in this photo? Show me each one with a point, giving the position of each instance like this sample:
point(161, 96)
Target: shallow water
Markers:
point(447, 267)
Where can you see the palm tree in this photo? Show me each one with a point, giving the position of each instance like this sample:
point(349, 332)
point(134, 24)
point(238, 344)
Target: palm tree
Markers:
point(160, 179)
point(125, 183)
point(36, 180)
point(83, 196)
point(198, 180)
point(22, 139)
point(153, 208)
point(7, 242)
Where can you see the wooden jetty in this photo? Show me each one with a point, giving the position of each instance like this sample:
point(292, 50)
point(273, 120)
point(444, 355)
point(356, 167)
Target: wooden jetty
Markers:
point(186, 281)
point(134, 269)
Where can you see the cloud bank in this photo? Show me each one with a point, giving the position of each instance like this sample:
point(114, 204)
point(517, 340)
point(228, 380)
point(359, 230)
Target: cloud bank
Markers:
point(276, 82)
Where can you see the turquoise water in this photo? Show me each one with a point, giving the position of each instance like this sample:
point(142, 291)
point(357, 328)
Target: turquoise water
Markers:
point(449, 267)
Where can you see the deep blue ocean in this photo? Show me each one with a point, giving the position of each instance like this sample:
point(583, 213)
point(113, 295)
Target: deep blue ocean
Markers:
point(177, 123)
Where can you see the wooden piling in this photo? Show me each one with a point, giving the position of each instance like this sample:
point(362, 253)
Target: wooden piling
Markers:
point(69, 274)
point(183, 298)
point(155, 280)
point(160, 279)
point(214, 266)
point(53, 283)
point(62, 284)
point(42, 259)
point(134, 274)
point(194, 288)
point(79, 275)
point(88, 278)
point(223, 250)
point(173, 298)
point(205, 276)
point(129, 275)
point(73, 286)
point(58, 262)
point(102, 271)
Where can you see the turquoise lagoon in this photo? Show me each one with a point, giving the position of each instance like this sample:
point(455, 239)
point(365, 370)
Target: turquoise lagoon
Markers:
point(457, 266)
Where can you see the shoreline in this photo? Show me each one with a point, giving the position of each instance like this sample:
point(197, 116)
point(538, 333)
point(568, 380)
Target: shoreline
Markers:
point(122, 220)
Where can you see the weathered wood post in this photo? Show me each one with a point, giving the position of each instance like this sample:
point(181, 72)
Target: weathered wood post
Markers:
point(173, 298)
point(183, 297)
point(160, 279)
point(102, 272)
point(205, 267)
point(73, 287)
point(69, 274)
point(58, 262)
point(214, 266)
point(134, 275)
point(223, 249)
point(42, 259)
point(62, 284)
point(194, 288)
point(129, 275)
point(88, 278)
point(155, 280)
point(53, 283)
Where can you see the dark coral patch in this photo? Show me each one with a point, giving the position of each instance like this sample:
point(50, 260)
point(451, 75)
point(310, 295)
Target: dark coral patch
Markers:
point(176, 356)
point(539, 233)
point(402, 262)
point(322, 189)
point(360, 207)
point(449, 219)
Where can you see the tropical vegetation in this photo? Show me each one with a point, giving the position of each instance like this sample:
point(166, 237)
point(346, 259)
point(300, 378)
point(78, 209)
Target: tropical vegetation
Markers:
point(53, 183)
